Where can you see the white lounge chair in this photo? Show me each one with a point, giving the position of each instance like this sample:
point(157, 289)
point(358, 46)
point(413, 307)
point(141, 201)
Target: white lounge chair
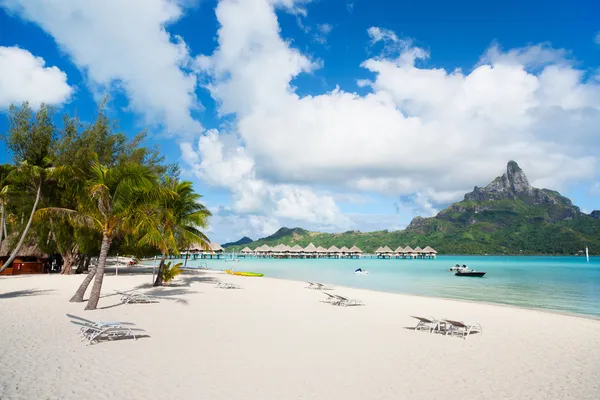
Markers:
point(92, 331)
point(331, 299)
point(431, 324)
point(134, 296)
point(317, 286)
point(462, 329)
point(224, 285)
point(348, 302)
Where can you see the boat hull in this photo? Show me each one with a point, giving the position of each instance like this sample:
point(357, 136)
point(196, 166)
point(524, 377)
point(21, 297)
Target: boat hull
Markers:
point(242, 273)
point(471, 274)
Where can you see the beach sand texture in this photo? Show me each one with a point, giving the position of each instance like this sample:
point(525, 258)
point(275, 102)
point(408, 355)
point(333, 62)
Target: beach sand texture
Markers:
point(275, 339)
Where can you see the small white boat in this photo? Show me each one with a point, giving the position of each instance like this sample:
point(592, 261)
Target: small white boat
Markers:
point(458, 268)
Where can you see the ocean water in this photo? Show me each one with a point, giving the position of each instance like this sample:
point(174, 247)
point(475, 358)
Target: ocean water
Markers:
point(563, 284)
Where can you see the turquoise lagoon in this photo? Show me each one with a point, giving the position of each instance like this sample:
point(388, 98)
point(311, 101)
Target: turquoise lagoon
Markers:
point(563, 284)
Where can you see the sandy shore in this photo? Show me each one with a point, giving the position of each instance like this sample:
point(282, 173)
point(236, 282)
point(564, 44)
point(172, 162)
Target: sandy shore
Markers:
point(274, 339)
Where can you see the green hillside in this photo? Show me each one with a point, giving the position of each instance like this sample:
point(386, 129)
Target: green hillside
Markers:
point(506, 217)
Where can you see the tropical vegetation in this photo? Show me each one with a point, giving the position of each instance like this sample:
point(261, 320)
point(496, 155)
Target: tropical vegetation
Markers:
point(87, 191)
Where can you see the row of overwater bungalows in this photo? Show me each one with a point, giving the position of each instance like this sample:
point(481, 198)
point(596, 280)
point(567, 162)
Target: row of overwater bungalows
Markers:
point(406, 252)
point(310, 251)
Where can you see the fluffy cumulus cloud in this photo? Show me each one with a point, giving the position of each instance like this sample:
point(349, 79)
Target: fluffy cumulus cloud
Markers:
point(25, 77)
point(422, 133)
point(220, 161)
point(124, 45)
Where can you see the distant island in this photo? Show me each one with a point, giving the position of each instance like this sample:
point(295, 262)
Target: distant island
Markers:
point(508, 216)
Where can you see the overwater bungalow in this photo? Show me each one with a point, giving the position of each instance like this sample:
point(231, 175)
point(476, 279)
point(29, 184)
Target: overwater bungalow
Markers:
point(333, 252)
point(419, 252)
point(310, 251)
point(344, 251)
point(384, 252)
point(354, 252)
point(321, 252)
point(429, 252)
point(297, 251)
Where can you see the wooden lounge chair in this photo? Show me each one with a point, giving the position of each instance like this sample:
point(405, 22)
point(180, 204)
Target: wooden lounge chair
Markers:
point(431, 324)
point(460, 328)
point(134, 296)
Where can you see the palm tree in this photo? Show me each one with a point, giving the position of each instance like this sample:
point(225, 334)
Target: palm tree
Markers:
point(111, 202)
point(33, 176)
point(174, 223)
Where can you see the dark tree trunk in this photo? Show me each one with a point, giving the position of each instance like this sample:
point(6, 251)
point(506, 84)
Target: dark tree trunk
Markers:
point(69, 259)
point(80, 262)
point(97, 288)
point(86, 266)
point(159, 280)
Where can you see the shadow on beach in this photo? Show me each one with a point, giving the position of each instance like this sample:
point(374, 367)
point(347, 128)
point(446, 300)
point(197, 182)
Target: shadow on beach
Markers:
point(25, 293)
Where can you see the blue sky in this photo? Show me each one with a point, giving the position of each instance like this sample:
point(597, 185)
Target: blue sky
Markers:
point(330, 115)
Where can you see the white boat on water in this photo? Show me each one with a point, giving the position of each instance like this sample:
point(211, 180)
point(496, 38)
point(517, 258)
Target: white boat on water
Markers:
point(459, 268)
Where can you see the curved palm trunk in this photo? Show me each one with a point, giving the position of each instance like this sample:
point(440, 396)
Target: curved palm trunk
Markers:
point(78, 296)
point(159, 280)
point(97, 288)
point(24, 234)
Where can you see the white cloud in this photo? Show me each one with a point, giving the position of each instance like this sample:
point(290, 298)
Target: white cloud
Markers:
point(124, 44)
point(424, 133)
point(322, 32)
point(221, 162)
point(24, 77)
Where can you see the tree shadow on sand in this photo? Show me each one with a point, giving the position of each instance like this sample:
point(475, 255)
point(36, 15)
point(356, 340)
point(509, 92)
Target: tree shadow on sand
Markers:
point(161, 293)
point(25, 293)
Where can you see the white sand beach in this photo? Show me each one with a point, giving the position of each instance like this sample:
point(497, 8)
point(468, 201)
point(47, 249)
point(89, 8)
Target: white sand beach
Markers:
point(275, 339)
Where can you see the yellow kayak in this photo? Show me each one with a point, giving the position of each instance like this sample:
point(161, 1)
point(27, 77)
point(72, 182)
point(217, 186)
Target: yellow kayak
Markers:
point(241, 273)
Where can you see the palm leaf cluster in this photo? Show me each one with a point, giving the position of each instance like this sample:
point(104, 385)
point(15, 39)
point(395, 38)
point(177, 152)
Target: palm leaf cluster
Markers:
point(95, 192)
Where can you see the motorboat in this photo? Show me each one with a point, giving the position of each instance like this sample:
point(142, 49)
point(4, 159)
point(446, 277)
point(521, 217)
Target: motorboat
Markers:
point(459, 268)
point(469, 273)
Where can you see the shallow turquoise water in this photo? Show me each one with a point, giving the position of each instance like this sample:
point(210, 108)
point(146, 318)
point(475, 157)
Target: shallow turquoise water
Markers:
point(565, 284)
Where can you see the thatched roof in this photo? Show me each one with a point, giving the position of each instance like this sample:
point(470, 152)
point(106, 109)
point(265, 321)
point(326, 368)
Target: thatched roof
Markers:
point(355, 249)
point(408, 249)
point(386, 250)
point(216, 247)
point(246, 250)
point(429, 250)
point(297, 249)
point(321, 249)
point(400, 249)
point(418, 249)
point(310, 248)
point(333, 249)
point(280, 248)
point(28, 249)
point(344, 249)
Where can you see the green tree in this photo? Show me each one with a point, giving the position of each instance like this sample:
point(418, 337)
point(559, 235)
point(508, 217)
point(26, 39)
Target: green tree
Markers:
point(112, 202)
point(175, 222)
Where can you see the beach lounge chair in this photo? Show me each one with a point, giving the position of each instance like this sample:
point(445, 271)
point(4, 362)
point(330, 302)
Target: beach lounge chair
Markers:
point(93, 331)
point(224, 285)
point(331, 299)
point(348, 302)
point(431, 324)
point(317, 286)
point(134, 296)
point(462, 329)
point(98, 324)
